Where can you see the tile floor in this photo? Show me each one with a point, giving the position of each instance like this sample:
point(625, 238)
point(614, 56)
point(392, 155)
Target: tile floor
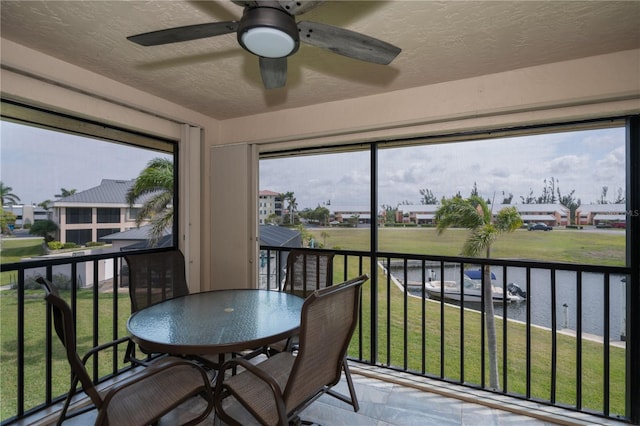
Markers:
point(403, 400)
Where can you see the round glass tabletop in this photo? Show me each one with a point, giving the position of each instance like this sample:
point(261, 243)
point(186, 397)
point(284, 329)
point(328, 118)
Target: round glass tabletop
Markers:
point(216, 321)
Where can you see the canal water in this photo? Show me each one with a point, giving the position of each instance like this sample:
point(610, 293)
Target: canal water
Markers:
point(539, 297)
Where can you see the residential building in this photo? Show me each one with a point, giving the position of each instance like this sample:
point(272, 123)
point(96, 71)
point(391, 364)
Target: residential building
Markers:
point(27, 215)
point(550, 214)
point(93, 213)
point(593, 214)
point(344, 214)
point(269, 206)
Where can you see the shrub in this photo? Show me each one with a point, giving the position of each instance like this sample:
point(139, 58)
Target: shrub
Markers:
point(94, 244)
point(69, 245)
point(54, 245)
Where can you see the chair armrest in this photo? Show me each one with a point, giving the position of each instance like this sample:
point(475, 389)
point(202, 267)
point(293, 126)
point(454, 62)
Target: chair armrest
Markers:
point(102, 347)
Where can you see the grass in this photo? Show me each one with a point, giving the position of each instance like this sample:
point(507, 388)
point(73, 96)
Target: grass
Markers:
point(392, 334)
point(441, 330)
point(35, 343)
point(13, 250)
point(572, 246)
point(564, 246)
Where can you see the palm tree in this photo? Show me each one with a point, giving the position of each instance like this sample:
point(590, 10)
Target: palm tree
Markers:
point(45, 204)
point(156, 182)
point(65, 193)
point(288, 196)
point(474, 214)
point(292, 208)
point(7, 196)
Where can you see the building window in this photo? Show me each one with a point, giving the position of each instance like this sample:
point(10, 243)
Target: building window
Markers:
point(78, 236)
point(132, 213)
point(106, 215)
point(78, 215)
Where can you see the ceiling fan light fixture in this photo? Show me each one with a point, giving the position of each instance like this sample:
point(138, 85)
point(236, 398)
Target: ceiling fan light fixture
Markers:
point(268, 42)
point(268, 32)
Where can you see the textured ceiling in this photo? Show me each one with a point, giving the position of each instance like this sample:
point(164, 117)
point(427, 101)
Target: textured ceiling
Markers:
point(440, 41)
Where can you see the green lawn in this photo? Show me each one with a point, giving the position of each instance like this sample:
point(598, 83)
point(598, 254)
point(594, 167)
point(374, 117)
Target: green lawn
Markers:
point(14, 249)
point(35, 343)
point(560, 245)
point(541, 344)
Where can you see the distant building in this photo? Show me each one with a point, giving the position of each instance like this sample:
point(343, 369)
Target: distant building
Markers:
point(593, 214)
point(269, 206)
point(91, 214)
point(420, 214)
point(550, 214)
point(27, 215)
point(343, 214)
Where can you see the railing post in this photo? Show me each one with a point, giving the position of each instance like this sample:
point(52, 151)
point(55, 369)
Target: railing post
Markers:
point(373, 249)
point(633, 261)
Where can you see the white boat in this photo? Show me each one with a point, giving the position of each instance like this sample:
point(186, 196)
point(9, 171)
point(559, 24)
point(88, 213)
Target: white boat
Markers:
point(472, 290)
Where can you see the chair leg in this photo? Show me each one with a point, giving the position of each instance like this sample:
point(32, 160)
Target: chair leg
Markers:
point(352, 390)
point(67, 402)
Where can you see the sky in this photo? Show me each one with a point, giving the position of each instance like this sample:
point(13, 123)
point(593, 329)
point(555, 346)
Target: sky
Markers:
point(37, 163)
point(583, 161)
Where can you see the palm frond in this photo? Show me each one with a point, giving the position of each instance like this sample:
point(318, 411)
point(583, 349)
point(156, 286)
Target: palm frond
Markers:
point(158, 226)
point(154, 206)
point(457, 212)
point(508, 219)
point(480, 239)
point(157, 176)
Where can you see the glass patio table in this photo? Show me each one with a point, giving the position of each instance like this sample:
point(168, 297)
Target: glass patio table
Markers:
point(216, 322)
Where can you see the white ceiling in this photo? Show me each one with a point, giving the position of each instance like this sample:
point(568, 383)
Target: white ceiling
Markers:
point(440, 41)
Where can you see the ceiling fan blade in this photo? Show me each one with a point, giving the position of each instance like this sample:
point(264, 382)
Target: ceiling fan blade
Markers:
point(186, 33)
point(297, 7)
point(347, 43)
point(273, 72)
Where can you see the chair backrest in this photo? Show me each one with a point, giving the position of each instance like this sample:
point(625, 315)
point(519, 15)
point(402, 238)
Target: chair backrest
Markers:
point(308, 271)
point(328, 320)
point(154, 277)
point(65, 329)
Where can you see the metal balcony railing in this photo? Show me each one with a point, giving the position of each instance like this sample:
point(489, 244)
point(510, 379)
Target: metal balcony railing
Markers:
point(566, 344)
point(561, 332)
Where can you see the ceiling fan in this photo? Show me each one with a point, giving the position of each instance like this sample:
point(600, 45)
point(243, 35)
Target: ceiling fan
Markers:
point(268, 29)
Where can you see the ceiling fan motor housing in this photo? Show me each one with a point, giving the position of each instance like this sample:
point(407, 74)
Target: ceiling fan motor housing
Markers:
point(268, 32)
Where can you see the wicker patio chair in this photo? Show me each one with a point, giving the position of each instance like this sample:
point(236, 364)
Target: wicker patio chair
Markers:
point(306, 272)
point(154, 277)
point(141, 399)
point(275, 391)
